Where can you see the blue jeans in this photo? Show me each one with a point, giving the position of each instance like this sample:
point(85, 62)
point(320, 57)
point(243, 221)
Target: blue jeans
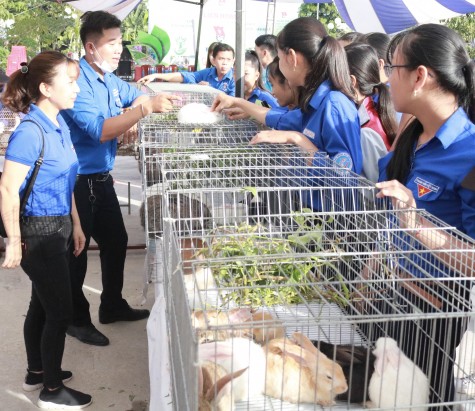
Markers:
point(45, 261)
point(101, 218)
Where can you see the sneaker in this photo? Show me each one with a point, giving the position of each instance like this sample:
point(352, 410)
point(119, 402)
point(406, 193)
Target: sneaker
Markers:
point(34, 381)
point(64, 398)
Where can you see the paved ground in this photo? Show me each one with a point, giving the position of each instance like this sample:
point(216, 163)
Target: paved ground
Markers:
point(116, 376)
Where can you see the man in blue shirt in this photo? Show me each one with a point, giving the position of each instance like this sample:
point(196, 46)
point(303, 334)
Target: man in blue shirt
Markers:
point(266, 49)
point(220, 77)
point(95, 122)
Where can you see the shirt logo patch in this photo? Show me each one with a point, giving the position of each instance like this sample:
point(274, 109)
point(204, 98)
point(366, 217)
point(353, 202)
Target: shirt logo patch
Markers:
point(343, 160)
point(309, 133)
point(224, 86)
point(424, 187)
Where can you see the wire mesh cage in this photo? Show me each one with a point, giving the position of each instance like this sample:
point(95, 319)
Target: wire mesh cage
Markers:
point(318, 255)
point(8, 122)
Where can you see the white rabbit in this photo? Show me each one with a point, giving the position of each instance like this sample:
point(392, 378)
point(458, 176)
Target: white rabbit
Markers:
point(198, 113)
point(214, 387)
point(237, 354)
point(396, 381)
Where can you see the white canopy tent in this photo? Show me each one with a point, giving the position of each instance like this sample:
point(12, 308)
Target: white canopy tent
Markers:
point(387, 16)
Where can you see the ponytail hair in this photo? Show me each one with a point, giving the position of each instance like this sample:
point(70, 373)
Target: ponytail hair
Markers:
point(364, 65)
point(23, 88)
point(324, 54)
point(443, 51)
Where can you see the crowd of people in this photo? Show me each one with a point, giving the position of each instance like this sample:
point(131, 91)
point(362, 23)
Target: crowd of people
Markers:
point(341, 96)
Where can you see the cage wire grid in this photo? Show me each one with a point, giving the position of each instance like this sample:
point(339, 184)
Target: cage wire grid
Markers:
point(387, 245)
point(363, 258)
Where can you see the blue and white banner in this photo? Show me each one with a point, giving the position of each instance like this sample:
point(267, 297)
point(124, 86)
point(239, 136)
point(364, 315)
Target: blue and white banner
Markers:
point(391, 16)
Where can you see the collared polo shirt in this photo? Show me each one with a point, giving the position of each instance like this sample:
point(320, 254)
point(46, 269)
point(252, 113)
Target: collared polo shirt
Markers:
point(261, 96)
point(98, 100)
point(331, 123)
point(54, 185)
point(226, 84)
point(439, 167)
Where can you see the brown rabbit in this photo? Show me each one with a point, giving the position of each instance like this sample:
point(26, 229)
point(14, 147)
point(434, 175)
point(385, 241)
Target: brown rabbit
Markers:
point(264, 327)
point(214, 387)
point(298, 372)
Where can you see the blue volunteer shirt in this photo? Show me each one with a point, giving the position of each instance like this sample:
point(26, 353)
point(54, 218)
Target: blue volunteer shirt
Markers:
point(97, 101)
point(54, 185)
point(331, 123)
point(226, 84)
point(435, 180)
point(438, 170)
point(261, 96)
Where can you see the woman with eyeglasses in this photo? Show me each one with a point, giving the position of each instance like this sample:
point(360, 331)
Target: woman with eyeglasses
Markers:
point(433, 79)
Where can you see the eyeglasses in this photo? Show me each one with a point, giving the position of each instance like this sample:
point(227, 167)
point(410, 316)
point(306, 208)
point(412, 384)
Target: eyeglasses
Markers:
point(388, 68)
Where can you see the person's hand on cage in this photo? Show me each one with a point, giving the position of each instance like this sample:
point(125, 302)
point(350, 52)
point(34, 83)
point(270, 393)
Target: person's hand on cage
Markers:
point(203, 83)
point(236, 114)
point(147, 79)
point(223, 101)
point(161, 103)
point(402, 200)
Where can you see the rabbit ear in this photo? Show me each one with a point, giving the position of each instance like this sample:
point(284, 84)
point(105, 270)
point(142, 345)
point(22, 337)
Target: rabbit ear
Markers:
point(387, 353)
point(305, 343)
point(200, 380)
point(239, 315)
point(222, 386)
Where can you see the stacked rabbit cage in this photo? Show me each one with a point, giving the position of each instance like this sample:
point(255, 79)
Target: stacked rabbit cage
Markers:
point(173, 132)
point(290, 285)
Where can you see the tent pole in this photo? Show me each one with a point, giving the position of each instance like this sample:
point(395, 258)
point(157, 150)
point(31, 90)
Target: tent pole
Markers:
point(197, 52)
point(240, 42)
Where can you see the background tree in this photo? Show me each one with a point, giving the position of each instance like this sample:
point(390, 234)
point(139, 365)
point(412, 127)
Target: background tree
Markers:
point(465, 26)
point(328, 14)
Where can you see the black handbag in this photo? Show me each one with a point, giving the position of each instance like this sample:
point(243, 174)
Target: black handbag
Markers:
point(31, 182)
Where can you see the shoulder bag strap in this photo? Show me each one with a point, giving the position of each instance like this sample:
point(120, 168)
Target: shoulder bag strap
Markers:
point(38, 163)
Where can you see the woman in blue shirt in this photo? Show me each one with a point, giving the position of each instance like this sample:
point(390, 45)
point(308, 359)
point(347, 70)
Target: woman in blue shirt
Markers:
point(39, 241)
point(433, 79)
point(327, 118)
point(253, 88)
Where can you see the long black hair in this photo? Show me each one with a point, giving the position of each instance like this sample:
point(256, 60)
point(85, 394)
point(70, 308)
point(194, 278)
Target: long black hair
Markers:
point(324, 54)
point(443, 51)
point(364, 65)
point(251, 57)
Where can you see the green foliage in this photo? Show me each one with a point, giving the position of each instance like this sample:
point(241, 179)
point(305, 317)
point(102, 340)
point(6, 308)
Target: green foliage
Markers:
point(45, 25)
point(135, 22)
point(38, 25)
point(327, 13)
point(465, 26)
point(255, 268)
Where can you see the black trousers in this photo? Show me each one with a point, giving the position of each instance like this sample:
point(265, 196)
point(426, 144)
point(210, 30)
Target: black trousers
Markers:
point(101, 218)
point(45, 261)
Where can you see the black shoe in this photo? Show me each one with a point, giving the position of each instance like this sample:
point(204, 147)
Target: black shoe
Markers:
point(63, 398)
point(125, 314)
point(88, 334)
point(34, 381)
